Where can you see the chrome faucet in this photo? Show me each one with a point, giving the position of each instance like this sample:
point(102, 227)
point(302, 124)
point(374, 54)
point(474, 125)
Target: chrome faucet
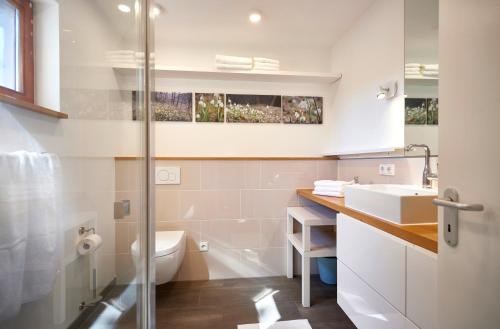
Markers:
point(427, 176)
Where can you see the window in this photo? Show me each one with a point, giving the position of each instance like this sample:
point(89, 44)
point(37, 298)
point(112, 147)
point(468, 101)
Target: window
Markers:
point(16, 49)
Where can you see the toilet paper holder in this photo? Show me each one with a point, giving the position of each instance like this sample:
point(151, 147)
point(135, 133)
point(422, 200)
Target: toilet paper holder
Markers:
point(82, 230)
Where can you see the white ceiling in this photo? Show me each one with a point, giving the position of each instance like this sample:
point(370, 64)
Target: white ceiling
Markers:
point(285, 22)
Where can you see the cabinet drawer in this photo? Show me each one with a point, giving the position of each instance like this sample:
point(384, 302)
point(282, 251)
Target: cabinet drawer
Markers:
point(421, 290)
point(375, 256)
point(364, 306)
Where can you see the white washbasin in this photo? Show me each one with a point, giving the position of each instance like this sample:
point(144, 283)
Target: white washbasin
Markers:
point(402, 204)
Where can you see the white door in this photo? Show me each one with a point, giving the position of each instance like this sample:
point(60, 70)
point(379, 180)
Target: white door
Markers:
point(469, 133)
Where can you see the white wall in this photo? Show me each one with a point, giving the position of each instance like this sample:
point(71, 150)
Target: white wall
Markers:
point(369, 54)
point(233, 139)
point(46, 50)
point(230, 139)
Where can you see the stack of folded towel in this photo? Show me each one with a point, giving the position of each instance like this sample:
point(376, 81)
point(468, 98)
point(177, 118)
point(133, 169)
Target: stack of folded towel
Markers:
point(236, 63)
point(120, 57)
point(330, 187)
point(431, 70)
point(413, 70)
point(265, 64)
point(223, 62)
point(417, 70)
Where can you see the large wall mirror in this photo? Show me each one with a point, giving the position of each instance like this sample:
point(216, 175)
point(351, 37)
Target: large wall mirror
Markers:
point(421, 74)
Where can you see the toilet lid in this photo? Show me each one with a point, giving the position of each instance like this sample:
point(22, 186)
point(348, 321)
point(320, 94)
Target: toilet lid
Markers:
point(167, 242)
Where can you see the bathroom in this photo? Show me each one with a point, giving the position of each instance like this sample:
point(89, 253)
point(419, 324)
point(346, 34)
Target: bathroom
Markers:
point(249, 164)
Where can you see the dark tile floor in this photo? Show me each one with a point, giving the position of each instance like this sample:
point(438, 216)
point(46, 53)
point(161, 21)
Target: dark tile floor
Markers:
point(223, 304)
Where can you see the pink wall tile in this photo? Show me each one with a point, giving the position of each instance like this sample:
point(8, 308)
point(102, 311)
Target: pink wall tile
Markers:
point(327, 169)
point(212, 204)
point(219, 175)
point(288, 174)
point(231, 234)
point(127, 175)
point(239, 208)
point(273, 233)
point(167, 205)
point(264, 262)
point(266, 203)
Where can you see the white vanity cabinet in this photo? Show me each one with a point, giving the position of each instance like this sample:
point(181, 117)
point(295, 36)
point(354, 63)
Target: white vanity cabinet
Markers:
point(421, 287)
point(383, 281)
point(375, 256)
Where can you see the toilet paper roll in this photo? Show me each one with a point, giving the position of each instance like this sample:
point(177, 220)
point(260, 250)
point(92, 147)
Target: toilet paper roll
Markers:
point(90, 243)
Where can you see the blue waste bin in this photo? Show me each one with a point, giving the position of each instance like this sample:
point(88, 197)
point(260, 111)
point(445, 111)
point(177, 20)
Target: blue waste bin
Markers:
point(328, 269)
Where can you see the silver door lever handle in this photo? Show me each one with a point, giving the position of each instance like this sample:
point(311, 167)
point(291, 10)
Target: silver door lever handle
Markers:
point(458, 205)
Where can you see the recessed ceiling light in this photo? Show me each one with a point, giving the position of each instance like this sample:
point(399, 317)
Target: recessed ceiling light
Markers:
point(123, 8)
point(255, 17)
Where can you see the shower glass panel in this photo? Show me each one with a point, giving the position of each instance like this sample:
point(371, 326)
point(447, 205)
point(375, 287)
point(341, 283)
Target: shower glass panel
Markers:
point(74, 193)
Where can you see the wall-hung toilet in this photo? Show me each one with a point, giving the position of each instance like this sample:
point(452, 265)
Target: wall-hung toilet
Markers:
point(170, 250)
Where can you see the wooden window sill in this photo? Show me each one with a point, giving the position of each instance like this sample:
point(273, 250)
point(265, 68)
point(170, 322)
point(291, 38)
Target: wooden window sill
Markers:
point(33, 107)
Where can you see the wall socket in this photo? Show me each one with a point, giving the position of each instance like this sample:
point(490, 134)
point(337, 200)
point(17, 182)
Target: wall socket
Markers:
point(388, 169)
point(203, 246)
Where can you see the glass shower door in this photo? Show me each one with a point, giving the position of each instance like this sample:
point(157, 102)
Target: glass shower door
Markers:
point(75, 198)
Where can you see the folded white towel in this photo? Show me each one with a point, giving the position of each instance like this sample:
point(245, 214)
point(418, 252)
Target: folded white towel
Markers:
point(432, 73)
point(335, 189)
point(266, 68)
point(235, 67)
point(140, 54)
point(223, 59)
point(431, 66)
point(267, 65)
point(413, 69)
point(335, 194)
point(266, 60)
point(415, 65)
point(270, 69)
point(334, 183)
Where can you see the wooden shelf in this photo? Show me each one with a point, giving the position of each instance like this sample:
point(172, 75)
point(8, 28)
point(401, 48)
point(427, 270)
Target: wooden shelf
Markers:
point(258, 76)
point(33, 107)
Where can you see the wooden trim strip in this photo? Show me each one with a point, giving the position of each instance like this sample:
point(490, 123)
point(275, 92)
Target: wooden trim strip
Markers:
point(33, 107)
point(422, 235)
point(232, 158)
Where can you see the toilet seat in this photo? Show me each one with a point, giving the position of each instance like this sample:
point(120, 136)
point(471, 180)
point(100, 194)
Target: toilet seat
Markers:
point(170, 248)
point(167, 242)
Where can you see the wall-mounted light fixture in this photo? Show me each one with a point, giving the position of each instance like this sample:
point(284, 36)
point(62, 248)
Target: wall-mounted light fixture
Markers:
point(387, 90)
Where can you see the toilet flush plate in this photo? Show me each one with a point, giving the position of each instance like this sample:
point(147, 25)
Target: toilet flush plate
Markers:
point(168, 175)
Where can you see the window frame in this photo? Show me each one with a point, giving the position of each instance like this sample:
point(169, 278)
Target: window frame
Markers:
point(27, 76)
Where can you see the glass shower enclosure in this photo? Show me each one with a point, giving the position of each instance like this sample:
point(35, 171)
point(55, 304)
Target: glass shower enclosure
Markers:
point(75, 196)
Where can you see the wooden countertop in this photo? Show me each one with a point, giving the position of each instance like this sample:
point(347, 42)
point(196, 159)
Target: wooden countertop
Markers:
point(422, 235)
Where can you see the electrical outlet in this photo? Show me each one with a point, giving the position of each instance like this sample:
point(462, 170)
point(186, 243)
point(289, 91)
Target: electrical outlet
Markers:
point(388, 169)
point(203, 246)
